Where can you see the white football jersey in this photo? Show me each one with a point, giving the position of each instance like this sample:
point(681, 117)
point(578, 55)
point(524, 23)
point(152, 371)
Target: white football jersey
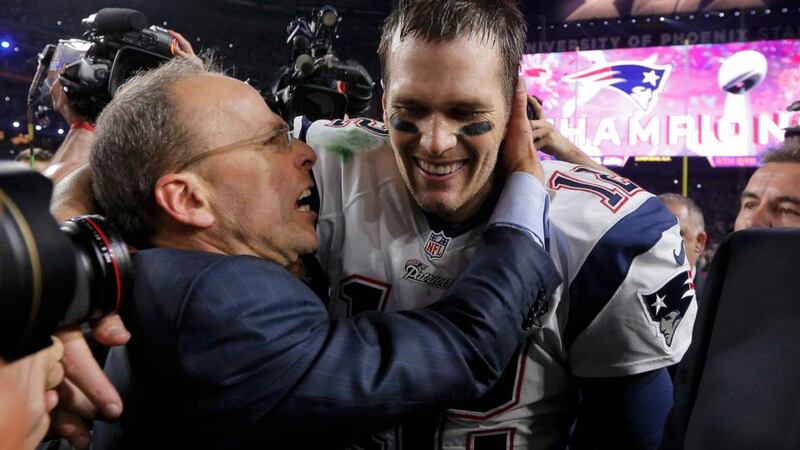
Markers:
point(625, 306)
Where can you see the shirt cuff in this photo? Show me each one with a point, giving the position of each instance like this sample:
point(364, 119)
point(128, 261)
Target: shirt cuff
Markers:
point(524, 204)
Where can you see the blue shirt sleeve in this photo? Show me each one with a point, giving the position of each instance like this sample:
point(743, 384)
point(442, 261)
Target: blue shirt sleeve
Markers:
point(623, 412)
point(524, 204)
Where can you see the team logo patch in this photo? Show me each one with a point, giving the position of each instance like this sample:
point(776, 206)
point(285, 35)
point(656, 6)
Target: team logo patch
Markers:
point(436, 244)
point(666, 306)
point(417, 271)
point(640, 81)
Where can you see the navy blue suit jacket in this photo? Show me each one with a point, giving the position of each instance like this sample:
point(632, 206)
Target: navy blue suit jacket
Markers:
point(235, 352)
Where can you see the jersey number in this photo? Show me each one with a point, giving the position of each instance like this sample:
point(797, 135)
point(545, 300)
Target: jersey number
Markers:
point(613, 191)
point(363, 294)
point(372, 126)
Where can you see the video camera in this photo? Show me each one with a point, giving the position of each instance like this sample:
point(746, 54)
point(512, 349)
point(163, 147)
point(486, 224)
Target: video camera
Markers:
point(117, 44)
point(51, 278)
point(317, 84)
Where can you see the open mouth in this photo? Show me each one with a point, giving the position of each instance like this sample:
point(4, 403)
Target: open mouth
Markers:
point(304, 201)
point(440, 169)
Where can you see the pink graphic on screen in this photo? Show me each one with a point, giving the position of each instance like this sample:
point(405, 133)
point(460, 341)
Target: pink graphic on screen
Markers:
point(670, 101)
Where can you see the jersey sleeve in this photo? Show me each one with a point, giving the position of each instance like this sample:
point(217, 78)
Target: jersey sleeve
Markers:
point(630, 293)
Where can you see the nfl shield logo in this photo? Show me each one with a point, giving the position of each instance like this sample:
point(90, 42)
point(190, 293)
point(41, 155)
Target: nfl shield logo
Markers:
point(436, 244)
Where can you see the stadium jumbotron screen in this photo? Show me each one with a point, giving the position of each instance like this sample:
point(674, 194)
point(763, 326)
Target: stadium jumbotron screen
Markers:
point(726, 102)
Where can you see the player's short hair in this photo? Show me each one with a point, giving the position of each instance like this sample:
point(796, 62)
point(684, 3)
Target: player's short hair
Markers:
point(695, 213)
point(789, 152)
point(494, 22)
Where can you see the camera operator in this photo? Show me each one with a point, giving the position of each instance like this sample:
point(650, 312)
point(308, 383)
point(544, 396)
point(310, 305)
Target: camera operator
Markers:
point(74, 151)
point(27, 396)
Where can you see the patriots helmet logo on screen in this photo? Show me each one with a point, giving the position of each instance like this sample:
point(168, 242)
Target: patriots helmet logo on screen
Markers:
point(665, 306)
point(639, 81)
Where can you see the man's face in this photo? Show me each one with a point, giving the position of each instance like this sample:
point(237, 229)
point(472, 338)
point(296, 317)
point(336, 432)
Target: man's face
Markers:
point(771, 198)
point(447, 114)
point(255, 191)
point(692, 239)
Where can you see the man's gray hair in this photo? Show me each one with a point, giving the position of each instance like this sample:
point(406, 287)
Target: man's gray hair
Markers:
point(789, 152)
point(695, 213)
point(493, 22)
point(140, 136)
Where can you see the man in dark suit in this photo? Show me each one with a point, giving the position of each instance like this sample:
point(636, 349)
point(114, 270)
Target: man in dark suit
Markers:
point(228, 349)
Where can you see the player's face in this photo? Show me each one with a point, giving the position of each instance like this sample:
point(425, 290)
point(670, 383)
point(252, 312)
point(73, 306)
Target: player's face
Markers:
point(256, 188)
point(771, 198)
point(446, 111)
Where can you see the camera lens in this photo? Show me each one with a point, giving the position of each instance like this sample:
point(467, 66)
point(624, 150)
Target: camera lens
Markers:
point(37, 269)
point(102, 268)
point(50, 278)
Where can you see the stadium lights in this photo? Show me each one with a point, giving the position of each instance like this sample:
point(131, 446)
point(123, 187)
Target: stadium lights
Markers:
point(38, 128)
point(5, 44)
point(15, 124)
point(60, 131)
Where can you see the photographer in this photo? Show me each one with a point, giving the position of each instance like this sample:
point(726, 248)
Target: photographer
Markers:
point(74, 151)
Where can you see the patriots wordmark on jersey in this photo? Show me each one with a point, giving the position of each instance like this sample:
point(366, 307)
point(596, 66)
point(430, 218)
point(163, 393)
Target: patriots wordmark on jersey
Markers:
point(626, 304)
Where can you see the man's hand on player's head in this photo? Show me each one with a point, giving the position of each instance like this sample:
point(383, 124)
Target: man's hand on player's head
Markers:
point(519, 153)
